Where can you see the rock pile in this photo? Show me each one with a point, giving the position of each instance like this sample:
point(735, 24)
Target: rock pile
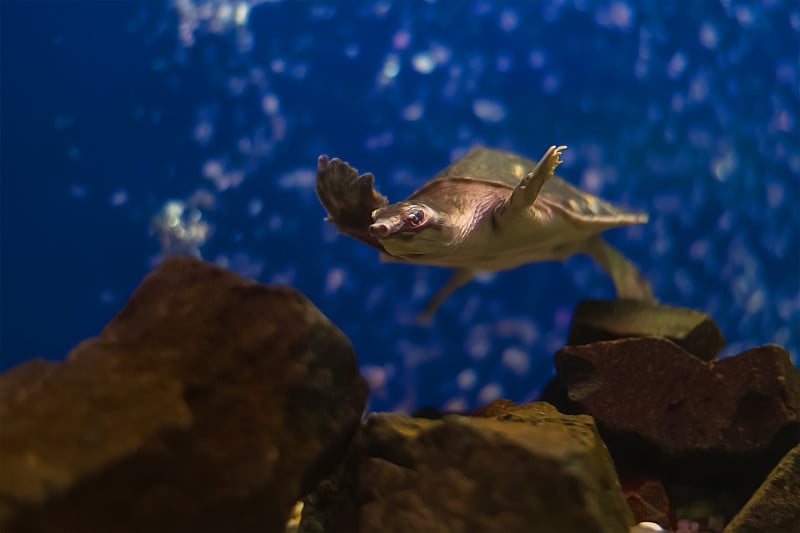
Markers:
point(212, 403)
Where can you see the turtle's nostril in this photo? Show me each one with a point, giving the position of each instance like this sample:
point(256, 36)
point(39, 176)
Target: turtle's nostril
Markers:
point(379, 230)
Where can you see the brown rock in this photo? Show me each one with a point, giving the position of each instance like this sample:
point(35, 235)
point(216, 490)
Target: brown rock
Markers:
point(655, 389)
point(603, 320)
point(648, 499)
point(775, 507)
point(530, 470)
point(209, 403)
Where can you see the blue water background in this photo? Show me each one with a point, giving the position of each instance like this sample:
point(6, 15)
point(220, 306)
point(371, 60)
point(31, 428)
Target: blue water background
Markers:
point(687, 110)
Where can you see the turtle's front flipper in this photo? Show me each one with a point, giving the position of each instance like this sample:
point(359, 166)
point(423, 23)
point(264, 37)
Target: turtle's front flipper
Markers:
point(628, 281)
point(459, 278)
point(348, 198)
point(528, 189)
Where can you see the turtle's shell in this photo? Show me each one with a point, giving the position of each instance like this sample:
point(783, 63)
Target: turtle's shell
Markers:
point(507, 169)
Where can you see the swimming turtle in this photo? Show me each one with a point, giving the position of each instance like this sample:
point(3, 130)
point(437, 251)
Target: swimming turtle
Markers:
point(490, 210)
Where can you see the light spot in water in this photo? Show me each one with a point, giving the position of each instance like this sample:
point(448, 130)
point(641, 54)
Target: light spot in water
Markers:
point(537, 59)
point(73, 152)
point(375, 376)
point(509, 20)
point(334, 280)
point(550, 83)
point(401, 39)
point(478, 342)
point(466, 379)
point(391, 66)
point(413, 112)
point(490, 393)
point(270, 104)
point(516, 360)
point(423, 62)
point(708, 35)
point(677, 65)
point(352, 50)
point(301, 178)
point(119, 197)
point(78, 191)
point(255, 206)
point(456, 405)
point(489, 110)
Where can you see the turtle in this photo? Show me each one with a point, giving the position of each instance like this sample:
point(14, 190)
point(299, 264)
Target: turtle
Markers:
point(490, 210)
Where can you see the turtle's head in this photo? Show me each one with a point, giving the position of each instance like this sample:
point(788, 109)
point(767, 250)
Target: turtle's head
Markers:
point(409, 229)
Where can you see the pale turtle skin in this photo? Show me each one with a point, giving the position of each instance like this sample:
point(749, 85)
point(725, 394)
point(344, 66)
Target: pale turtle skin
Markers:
point(490, 210)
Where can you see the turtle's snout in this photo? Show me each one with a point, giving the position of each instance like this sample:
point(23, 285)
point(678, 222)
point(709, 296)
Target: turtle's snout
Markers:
point(379, 230)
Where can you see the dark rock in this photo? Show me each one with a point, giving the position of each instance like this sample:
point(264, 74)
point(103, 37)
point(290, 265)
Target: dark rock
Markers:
point(648, 499)
point(775, 507)
point(604, 320)
point(697, 415)
point(530, 470)
point(209, 403)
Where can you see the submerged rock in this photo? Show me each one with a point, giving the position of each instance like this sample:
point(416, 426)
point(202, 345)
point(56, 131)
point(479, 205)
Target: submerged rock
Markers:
point(529, 469)
point(653, 389)
point(603, 320)
point(775, 507)
point(209, 403)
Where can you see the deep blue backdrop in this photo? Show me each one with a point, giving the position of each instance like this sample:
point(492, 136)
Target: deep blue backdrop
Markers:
point(688, 110)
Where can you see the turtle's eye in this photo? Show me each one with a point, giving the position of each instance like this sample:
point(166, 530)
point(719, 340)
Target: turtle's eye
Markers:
point(415, 217)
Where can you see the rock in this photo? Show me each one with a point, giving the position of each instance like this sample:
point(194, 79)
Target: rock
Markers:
point(529, 470)
point(209, 403)
point(648, 499)
point(697, 415)
point(603, 320)
point(775, 507)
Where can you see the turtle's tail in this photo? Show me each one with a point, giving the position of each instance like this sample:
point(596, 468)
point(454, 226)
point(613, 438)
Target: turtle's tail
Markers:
point(628, 281)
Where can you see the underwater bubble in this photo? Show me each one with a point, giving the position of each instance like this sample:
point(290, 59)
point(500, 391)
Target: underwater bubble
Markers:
point(255, 206)
point(489, 110)
point(456, 405)
point(478, 342)
point(617, 15)
point(352, 50)
point(413, 112)
point(375, 376)
point(73, 152)
point(490, 393)
point(466, 379)
point(537, 58)
point(284, 277)
point(119, 197)
point(401, 39)
point(699, 87)
point(708, 35)
point(301, 178)
point(509, 20)
point(503, 63)
point(334, 280)
point(677, 65)
point(776, 194)
point(270, 104)
point(522, 328)
point(107, 297)
point(203, 132)
point(380, 140)
point(391, 66)
point(78, 191)
point(423, 62)
point(744, 16)
point(699, 249)
point(550, 84)
point(724, 164)
point(516, 359)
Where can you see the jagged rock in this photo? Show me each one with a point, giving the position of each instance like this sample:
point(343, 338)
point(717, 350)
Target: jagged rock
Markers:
point(775, 507)
point(604, 320)
point(209, 403)
point(653, 399)
point(529, 470)
point(653, 388)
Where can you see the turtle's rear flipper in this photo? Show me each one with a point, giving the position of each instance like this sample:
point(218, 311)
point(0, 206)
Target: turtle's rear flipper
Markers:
point(459, 278)
point(348, 198)
point(628, 281)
